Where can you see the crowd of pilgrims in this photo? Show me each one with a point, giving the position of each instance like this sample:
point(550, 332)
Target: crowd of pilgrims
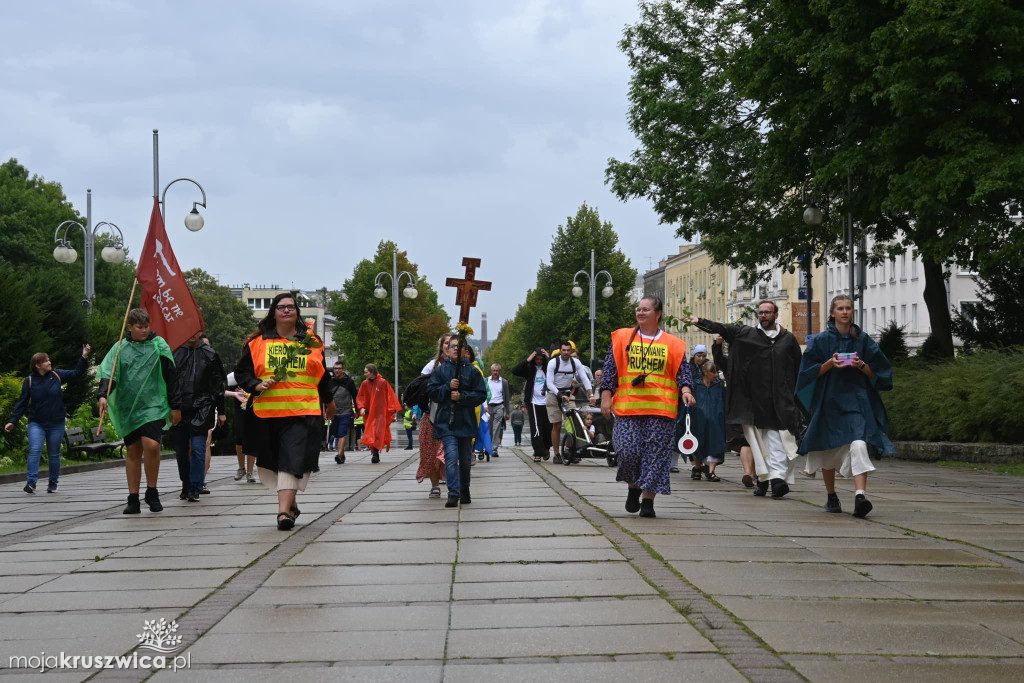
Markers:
point(758, 395)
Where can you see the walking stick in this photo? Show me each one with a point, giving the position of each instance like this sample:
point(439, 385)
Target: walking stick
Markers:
point(120, 340)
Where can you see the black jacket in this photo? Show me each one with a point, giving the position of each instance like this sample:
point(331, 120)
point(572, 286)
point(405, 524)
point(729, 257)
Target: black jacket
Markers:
point(528, 370)
point(761, 376)
point(201, 381)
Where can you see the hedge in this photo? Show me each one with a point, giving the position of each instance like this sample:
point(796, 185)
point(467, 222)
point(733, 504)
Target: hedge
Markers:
point(974, 398)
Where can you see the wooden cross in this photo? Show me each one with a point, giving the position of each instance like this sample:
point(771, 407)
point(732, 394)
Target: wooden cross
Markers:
point(467, 288)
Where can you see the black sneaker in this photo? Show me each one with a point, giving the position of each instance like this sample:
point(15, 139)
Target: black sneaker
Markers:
point(52, 488)
point(647, 507)
point(695, 474)
point(340, 459)
point(29, 488)
point(375, 458)
point(779, 488)
point(633, 500)
point(453, 501)
point(184, 493)
point(761, 489)
point(464, 498)
point(133, 507)
point(833, 504)
point(152, 498)
point(861, 506)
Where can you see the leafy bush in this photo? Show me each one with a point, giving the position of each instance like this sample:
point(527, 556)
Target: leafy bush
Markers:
point(15, 444)
point(893, 342)
point(973, 398)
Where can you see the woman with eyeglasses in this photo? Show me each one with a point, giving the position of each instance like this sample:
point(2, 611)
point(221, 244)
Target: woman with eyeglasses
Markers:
point(644, 377)
point(283, 431)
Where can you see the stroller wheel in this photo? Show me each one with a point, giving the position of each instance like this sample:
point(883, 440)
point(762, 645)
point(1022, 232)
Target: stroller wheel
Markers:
point(568, 449)
point(612, 461)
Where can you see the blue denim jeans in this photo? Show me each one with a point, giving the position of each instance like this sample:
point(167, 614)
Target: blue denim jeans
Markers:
point(190, 451)
point(458, 458)
point(52, 434)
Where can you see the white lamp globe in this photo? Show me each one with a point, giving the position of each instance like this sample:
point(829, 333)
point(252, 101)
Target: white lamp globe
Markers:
point(194, 221)
point(60, 254)
point(410, 292)
point(813, 215)
point(112, 254)
point(380, 292)
point(577, 291)
point(70, 255)
point(607, 291)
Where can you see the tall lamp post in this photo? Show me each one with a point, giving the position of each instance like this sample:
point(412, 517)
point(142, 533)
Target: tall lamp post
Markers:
point(193, 219)
point(410, 292)
point(606, 292)
point(65, 253)
point(812, 217)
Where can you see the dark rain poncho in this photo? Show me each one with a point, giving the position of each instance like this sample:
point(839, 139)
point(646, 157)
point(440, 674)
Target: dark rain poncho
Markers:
point(844, 404)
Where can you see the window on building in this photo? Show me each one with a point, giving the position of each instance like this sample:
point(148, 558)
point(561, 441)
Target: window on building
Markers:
point(252, 303)
point(874, 277)
point(913, 268)
point(913, 317)
point(903, 315)
point(874, 319)
point(903, 266)
point(892, 313)
point(892, 270)
point(968, 311)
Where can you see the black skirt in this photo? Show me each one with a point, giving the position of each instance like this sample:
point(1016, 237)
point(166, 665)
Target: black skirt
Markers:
point(284, 444)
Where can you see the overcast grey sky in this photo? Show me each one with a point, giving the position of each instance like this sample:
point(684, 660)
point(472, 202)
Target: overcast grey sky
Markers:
point(319, 128)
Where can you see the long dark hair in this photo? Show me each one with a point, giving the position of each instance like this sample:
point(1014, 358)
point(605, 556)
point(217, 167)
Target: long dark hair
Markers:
point(269, 322)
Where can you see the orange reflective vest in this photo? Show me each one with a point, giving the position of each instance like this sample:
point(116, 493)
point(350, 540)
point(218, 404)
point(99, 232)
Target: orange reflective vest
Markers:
point(658, 393)
point(296, 395)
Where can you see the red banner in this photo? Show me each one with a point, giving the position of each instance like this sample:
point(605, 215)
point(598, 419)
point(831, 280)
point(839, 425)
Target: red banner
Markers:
point(173, 312)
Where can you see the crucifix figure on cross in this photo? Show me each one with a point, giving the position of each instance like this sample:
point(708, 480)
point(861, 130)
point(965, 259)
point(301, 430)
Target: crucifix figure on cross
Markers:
point(467, 288)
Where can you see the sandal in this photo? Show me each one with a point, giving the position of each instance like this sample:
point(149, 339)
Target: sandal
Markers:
point(479, 456)
point(285, 522)
point(546, 457)
point(536, 458)
point(296, 512)
point(711, 476)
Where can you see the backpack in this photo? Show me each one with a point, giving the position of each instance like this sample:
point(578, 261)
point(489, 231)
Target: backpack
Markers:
point(415, 393)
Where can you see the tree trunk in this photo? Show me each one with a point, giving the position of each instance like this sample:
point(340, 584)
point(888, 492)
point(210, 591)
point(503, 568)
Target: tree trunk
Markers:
point(938, 306)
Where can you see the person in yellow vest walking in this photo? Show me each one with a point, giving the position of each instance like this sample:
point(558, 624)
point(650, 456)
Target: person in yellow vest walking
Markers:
point(643, 376)
point(287, 414)
point(357, 427)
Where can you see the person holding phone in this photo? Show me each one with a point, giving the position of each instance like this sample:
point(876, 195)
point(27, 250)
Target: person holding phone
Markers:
point(841, 375)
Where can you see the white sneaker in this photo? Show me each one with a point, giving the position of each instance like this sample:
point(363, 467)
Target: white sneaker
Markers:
point(239, 473)
point(251, 477)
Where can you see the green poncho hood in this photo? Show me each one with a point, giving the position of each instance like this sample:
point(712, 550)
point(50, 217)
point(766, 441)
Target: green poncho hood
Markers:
point(140, 394)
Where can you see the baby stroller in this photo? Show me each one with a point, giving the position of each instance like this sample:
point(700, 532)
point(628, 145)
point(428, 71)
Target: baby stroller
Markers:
point(579, 443)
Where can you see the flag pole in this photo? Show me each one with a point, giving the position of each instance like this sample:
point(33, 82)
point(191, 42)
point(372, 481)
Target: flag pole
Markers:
point(120, 340)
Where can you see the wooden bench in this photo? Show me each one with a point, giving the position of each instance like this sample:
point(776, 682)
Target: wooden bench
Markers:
point(86, 442)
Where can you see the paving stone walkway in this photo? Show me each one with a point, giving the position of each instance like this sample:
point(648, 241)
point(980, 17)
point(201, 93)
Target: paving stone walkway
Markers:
point(544, 577)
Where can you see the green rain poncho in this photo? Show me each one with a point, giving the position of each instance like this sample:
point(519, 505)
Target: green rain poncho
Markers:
point(140, 394)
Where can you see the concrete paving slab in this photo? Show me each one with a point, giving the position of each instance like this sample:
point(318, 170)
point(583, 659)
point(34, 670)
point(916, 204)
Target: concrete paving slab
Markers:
point(711, 670)
point(378, 552)
point(20, 584)
point(1006, 618)
point(850, 611)
point(319, 646)
point(383, 532)
point(928, 556)
point(941, 590)
point(550, 589)
point(313, 619)
point(766, 571)
point(197, 578)
point(575, 613)
point(544, 571)
point(316, 595)
point(341, 673)
point(585, 640)
point(54, 566)
point(891, 638)
point(937, 574)
point(563, 527)
point(331, 575)
point(921, 671)
point(105, 600)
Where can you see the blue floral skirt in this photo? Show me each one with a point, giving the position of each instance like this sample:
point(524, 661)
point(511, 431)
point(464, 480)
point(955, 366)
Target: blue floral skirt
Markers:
point(643, 445)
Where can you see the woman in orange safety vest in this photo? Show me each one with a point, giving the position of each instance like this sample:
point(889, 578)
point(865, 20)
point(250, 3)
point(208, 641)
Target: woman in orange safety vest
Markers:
point(644, 373)
point(284, 429)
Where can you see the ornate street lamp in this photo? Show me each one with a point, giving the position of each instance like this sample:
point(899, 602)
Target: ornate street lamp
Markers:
point(409, 292)
point(65, 253)
point(606, 292)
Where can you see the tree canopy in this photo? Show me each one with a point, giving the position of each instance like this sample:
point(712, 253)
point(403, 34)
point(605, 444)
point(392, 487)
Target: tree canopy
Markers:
point(364, 331)
point(906, 115)
point(228, 320)
point(551, 313)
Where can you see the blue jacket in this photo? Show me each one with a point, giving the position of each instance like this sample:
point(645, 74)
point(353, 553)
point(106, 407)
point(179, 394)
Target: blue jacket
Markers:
point(45, 400)
point(843, 405)
point(472, 392)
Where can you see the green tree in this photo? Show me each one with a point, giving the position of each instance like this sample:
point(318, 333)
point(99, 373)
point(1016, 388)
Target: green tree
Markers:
point(551, 313)
point(363, 333)
point(228, 320)
point(997, 320)
point(904, 114)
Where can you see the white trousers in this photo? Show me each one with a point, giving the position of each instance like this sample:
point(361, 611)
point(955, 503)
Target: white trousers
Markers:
point(774, 453)
point(850, 460)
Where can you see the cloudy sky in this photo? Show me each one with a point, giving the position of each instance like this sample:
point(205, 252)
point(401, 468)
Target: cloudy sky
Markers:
point(320, 127)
